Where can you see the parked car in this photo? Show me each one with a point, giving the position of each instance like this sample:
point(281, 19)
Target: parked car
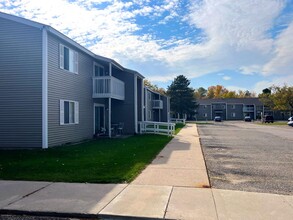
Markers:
point(290, 123)
point(247, 118)
point(218, 119)
point(268, 119)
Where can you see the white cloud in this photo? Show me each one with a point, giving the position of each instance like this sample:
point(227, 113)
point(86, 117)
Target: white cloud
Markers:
point(250, 70)
point(234, 35)
point(282, 62)
point(226, 78)
point(235, 88)
point(278, 81)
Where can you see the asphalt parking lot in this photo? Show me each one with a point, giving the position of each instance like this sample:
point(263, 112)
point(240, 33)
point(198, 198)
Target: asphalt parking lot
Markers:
point(248, 157)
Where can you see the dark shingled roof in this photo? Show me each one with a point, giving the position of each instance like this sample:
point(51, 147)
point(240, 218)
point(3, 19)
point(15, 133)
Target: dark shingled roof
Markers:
point(245, 101)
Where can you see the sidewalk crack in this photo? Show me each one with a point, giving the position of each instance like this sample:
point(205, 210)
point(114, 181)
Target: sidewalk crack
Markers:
point(112, 199)
point(33, 192)
point(164, 217)
point(215, 204)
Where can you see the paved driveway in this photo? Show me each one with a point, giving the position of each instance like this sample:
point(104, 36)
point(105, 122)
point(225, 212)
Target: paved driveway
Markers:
point(249, 157)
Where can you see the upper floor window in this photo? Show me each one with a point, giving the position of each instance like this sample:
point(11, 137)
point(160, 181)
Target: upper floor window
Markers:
point(205, 106)
point(150, 115)
point(233, 114)
point(69, 112)
point(233, 106)
point(99, 70)
point(68, 59)
point(149, 96)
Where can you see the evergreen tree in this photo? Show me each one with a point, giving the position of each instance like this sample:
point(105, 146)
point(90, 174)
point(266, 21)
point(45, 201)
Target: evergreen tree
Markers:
point(182, 98)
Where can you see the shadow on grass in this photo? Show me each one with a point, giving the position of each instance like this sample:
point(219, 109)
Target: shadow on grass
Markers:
point(98, 161)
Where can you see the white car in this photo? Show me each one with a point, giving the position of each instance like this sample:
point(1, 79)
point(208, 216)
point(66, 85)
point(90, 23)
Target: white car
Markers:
point(290, 123)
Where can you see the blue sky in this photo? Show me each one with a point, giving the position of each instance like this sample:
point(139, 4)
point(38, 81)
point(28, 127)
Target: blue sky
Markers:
point(243, 44)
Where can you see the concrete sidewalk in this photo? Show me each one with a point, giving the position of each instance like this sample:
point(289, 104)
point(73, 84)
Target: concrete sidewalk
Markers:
point(173, 186)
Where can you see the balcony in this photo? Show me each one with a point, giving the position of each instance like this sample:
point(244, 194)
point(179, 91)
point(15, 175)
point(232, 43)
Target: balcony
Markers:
point(108, 87)
point(157, 104)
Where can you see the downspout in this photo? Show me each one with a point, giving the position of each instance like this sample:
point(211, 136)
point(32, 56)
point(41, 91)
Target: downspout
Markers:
point(44, 88)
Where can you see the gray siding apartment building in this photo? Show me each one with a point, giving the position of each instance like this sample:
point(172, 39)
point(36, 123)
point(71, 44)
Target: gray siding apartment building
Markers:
point(53, 91)
point(235, 109)
point(156, 106)
point(229, 109)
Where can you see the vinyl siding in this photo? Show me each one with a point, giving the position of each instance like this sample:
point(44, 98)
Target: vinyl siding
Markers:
point(20, 85)
point(149, 106)
point(202, 110)
point(238, 110)
point(63, 84)
point(123, 111)
point(139, 99)
point(164, 117)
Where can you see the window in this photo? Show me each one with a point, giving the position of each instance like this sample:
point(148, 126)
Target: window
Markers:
point(69, 112)
point(150, 115)
point(205, 106)
point(205, 115)
point(68, 59)
point(233, 106)
point(233, 114)
point(99, 70)
point(149, 96)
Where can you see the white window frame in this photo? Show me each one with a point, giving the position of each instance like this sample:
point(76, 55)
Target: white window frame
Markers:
point(76, 112)
point(149, 96)
point(233, 114)
point(233, 107)
point(150, 114)
point(205, 115)
point(73, 59)
point(94, 72)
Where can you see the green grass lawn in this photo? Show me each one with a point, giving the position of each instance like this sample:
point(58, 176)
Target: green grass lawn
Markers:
point(99, 161)
point(178, 127)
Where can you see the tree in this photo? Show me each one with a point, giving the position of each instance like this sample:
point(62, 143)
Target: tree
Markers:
point(220, 92)
point(266, 91)
point(216, 92)
point(154, 87)
point(278, 98)
point(200, 93)
point(229, 95)
point(182, 98)
point(266, 98)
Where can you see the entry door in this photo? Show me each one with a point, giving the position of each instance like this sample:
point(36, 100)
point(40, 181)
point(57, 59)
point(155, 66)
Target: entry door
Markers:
point(99, 119)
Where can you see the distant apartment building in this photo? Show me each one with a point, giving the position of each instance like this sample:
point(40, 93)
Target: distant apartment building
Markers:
point(235, 109)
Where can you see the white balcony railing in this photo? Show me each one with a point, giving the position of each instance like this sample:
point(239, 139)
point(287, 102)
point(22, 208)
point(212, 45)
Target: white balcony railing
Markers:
point(153, 127)
point(157, 104)
point(108, 87)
